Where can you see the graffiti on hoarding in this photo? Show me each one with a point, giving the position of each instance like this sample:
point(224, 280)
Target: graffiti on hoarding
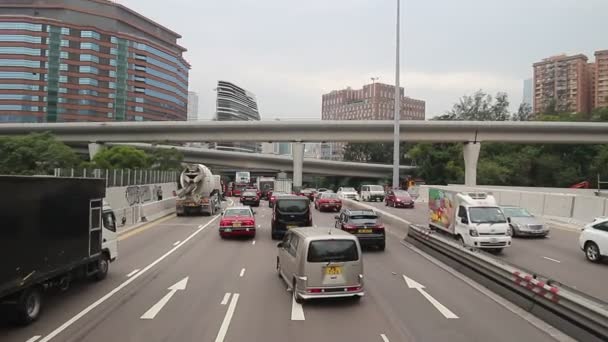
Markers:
point(136, 194)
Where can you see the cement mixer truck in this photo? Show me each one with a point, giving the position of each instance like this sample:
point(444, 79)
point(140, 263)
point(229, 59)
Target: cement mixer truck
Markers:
point(198, 193)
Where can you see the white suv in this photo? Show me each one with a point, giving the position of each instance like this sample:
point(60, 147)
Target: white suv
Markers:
point(594, 239)
point(348, 193)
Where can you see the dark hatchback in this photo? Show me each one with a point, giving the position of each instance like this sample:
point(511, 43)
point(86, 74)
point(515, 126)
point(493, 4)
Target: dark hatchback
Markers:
point(251, 198)
point(365, 225)
point(290, 212)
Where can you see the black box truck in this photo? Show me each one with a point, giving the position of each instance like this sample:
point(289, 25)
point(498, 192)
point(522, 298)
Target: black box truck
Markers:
point(52, 230)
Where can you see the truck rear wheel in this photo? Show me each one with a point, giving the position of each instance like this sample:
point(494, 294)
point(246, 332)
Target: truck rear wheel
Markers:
point(28, 306)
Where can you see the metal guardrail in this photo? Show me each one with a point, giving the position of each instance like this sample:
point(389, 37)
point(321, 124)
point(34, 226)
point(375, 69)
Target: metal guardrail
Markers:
point(121, 177)
point(573, 312)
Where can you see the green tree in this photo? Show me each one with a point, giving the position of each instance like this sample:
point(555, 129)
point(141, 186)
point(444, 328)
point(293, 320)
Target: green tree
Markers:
point(524, 113)
point(166, 158)
point(600, 114)
point(439, 163)
point(122, 157)
point(479, 107)
point(35, 154)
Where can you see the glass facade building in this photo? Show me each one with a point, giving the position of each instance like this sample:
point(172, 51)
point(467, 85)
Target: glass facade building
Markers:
point(236, 104)
point(64, 63)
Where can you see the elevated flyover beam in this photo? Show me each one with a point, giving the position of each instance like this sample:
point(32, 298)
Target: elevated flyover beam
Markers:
point(320, 131)
point(254, 161)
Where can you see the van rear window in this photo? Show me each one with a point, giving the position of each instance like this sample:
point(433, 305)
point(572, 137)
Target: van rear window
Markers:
point(332, 250)
point(292, 206)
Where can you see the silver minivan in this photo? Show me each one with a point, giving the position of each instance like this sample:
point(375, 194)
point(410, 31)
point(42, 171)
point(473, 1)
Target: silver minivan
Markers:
point(321, 263)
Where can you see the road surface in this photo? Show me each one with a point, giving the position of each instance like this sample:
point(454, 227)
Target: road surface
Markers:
point(177, 280)
point(557, 256)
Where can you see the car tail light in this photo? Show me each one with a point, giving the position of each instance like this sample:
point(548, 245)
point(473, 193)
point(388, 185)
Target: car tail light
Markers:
point(249, 223)
point(353, 288)
point(314, 290)
point(224, 223)
point(350, 227)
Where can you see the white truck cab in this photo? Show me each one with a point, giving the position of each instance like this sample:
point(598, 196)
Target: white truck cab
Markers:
point(474, 218)
point(109, 235)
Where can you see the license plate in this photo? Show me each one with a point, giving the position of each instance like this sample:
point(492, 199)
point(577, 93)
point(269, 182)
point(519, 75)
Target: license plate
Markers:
point(289, 226)
point(365, 230)
point(333, 270)
point(236, 224)
point(227, 230)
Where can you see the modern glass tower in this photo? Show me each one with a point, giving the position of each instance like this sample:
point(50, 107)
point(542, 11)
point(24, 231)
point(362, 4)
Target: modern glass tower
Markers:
point(236, 104)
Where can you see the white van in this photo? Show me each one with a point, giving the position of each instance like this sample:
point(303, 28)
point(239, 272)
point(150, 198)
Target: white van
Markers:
point(372, 193)
point(321, 263)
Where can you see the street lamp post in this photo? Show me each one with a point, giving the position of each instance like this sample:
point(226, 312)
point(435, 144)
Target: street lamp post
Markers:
point(397, 115)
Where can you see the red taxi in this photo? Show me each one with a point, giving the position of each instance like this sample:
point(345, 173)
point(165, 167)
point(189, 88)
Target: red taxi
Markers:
point(328, 201)
point(237, 221)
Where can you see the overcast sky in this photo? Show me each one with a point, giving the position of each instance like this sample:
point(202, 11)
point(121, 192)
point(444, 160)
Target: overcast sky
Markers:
point(291, 52)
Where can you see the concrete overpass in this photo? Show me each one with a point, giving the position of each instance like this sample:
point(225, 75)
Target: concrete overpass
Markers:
point(320, 131)
point(471, 133)
point(266, 162)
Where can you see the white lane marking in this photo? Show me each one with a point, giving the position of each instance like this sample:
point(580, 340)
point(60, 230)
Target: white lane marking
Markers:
point(155, 309)
point(412, 284)
point(226, 323)
point(176, 243)
point(557, 261)
point(225, 299)
point(297, 312)
point(384, 338)
point(98, 302)
point(242, 272)
point(133, 272)
point(253, 242)
point(34, 338)
point(521, 313)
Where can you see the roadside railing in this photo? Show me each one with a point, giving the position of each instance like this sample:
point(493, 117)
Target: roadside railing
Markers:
point(121, 177)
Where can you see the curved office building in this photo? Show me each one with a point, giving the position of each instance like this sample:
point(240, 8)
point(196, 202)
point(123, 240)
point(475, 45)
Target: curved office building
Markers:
point(88, 60)
point(236, 104)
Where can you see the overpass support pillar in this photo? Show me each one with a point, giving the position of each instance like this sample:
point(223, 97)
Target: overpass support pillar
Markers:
point(471, 156)
point(298, 160)
point(94, 148)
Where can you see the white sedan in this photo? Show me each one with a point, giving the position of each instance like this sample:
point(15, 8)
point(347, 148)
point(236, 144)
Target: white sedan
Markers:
point(594, 239)
point(348, 193)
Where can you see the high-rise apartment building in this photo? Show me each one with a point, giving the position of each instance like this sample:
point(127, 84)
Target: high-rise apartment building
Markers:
point(236, 104)
point(374, 101)
point(88, 60)
point(601, 79)
point(192, 106)
point(561, 80)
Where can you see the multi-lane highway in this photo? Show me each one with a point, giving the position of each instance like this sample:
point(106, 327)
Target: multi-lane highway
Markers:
point(176, 280)
point(557, 256)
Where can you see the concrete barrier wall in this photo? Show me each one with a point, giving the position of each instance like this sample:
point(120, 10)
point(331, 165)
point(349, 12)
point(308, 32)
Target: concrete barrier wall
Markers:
point(510, 198)
point(127, 196)
point(129, 216)
point(558, 205)
point(589, 207)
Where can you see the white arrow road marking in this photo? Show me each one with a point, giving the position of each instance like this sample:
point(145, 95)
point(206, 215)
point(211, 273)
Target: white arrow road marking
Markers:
point(412, 284)
point(133, 272)
point(226, 323)
point(242, 272)
point(155, 309)
point(253, 242)
point(297, 312)
point(384, 338)
point(225, 299)
point(34, 338)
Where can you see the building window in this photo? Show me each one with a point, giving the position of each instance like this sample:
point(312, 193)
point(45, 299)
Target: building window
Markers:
point(20, 26)
point(19, 75)
point(65, 31)
point(90, 34)
point(140, 90)
point(87, 69)
point(88, 81)
point(89, 58)
point(140, 67)
point(89, 46)
point(140, 57)
point(113, 40)
point(20, 38)
point(4, 50)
